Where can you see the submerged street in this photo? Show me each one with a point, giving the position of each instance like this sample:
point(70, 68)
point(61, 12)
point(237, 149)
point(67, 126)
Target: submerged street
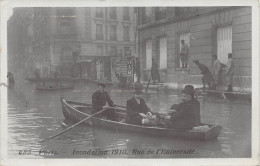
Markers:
point(36, 115)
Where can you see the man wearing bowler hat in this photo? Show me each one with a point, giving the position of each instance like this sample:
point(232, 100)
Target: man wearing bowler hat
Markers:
point(185, 115)
point(99, 100)
point(136, 109)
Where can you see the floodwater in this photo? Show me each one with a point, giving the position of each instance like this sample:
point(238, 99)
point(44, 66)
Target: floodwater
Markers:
point(34, 116)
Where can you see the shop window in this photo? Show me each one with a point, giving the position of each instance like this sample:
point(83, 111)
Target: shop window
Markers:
point(99, 32)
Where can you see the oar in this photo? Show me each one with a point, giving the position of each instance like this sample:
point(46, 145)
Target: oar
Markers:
point(120, 106)
point(148, 84)
point(75, 124)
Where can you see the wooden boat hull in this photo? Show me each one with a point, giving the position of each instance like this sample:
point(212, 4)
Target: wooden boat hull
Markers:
point(77, 111)
point(53, 87)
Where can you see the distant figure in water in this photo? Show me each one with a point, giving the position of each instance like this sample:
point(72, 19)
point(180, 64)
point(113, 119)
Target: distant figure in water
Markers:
point(207, 77)
point(11, 81)
point(155, 72)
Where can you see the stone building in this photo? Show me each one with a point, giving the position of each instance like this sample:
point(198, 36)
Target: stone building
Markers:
point(206, 31)
point(19, 38)
point(83, 41)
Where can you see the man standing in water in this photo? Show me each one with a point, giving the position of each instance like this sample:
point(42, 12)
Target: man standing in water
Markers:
point(184, 54)
point(99, 100)
point(154, 71)
point(229, 72)
point(216, 71)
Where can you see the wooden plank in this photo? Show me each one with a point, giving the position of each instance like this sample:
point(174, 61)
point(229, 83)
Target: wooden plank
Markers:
point(242, 36)
point(242, 45)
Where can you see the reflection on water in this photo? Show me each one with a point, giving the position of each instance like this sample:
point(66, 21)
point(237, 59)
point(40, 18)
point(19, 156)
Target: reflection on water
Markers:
point(34, 116)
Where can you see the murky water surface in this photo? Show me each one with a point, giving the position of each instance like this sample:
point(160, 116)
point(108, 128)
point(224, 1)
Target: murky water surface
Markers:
point(34, 116)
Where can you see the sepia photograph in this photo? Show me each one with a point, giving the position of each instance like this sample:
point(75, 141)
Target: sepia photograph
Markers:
point(129, 82)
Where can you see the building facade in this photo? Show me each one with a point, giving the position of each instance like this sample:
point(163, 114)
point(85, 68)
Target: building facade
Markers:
point(206, 31)
point(83, 41)
point(19, 39)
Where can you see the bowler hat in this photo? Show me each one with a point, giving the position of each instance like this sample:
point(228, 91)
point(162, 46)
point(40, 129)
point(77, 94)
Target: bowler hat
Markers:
point(138, 88)
point(188, 89)
point(101, 84)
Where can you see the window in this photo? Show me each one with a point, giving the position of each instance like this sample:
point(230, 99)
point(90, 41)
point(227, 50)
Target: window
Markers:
point(113, 13)
point(100, 51)
point(113, 36)
point(148, 14)
point(99, 32)
point(148, 54)
point(126, 35)
point(99, 12)
point(163, 53)
point(126, 13)
point(127, 51)
point(224, 43)
point(113, 50)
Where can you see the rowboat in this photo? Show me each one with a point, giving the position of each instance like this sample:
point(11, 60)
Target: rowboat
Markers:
point(54, 87)
point(76, 111)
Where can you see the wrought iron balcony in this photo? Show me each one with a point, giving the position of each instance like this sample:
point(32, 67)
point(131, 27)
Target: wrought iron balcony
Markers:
point(160, 15)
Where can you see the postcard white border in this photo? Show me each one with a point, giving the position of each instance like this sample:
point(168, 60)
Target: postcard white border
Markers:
point(6, 5)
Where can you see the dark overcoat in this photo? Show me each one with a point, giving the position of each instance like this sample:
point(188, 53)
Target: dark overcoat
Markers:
point(99, 100)
point(133, 109)
point(187, 115)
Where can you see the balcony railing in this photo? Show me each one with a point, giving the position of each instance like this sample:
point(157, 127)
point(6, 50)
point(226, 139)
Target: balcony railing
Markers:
point(160, 15)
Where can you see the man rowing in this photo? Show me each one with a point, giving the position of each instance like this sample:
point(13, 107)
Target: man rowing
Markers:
point(136, 108)
point(185, 115)
point(99, 100)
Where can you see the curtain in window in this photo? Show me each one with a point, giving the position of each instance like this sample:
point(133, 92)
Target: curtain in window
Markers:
point(224, 43)
point(163, 53)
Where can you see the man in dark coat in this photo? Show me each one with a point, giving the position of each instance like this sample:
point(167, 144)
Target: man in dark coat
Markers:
point(136, 109)
point(154, 71)
point(207, 77)
point(185, 115)
point(99, 100)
